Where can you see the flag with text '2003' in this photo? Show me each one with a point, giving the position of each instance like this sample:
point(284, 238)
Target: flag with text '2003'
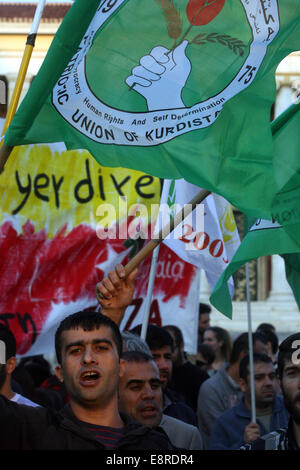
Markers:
point(175, 88)
point(207, 237)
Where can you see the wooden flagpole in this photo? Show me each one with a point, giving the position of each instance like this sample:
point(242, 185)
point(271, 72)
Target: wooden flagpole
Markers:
point(151, 281)
point(165, 231)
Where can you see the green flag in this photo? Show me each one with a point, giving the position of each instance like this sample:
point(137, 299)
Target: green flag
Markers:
point(285, 208)
point(267, 237)
point(174, 88)
point(264, 238)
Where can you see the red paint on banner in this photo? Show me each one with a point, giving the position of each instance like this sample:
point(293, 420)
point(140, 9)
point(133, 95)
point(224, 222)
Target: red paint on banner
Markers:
point(36, 272)
point(173, 276)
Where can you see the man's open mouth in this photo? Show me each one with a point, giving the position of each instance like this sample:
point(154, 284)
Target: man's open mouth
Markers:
point(89, 378)
point(149, 410)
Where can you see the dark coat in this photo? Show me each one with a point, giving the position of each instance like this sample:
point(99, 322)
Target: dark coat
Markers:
point(228, 429)
point(175, 407)
point(35, 428)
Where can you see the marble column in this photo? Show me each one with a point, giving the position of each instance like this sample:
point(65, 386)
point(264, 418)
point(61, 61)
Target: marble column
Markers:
point(2, 92)
point(280, 288)
point(285, 96)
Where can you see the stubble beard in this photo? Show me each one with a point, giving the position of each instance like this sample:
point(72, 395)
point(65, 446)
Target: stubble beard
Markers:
point(292, 408)
point(99, 397)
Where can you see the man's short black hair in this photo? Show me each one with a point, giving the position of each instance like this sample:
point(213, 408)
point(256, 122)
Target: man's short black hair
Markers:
point(204, 308)
point(270, 337)
point(241, 344)
point(87, 320)
point(157, 337)
point(177, 334)
point(259, 336)
point(9, 340)
point(286, 350)
point(266, 326)
point(244, 364)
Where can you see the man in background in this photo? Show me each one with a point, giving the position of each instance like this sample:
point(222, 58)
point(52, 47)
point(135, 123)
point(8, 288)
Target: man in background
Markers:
point(204, 320)
point(287, 438)
point(115, 293)
point(160, 343)
point(140, 396)
point(235, 427)
point(186, 378)
point(272, 339)
point(222, 391)
point(7, 369)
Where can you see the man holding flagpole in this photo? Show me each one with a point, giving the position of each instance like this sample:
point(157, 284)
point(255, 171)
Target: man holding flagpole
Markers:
point(235, 426)
point(286, 438)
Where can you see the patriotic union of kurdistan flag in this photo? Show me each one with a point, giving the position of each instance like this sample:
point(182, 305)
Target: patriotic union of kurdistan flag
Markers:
point(174, 88)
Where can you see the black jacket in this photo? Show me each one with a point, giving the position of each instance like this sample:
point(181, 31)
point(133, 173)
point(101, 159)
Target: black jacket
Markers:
point(35, 428)
point(187, 380)
point(175, 407)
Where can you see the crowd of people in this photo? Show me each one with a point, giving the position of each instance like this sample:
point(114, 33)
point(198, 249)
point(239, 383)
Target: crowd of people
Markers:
point(112, 390)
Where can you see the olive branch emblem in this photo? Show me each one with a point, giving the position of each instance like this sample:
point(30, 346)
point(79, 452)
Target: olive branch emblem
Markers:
point(237, 46)
point(199, 12)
